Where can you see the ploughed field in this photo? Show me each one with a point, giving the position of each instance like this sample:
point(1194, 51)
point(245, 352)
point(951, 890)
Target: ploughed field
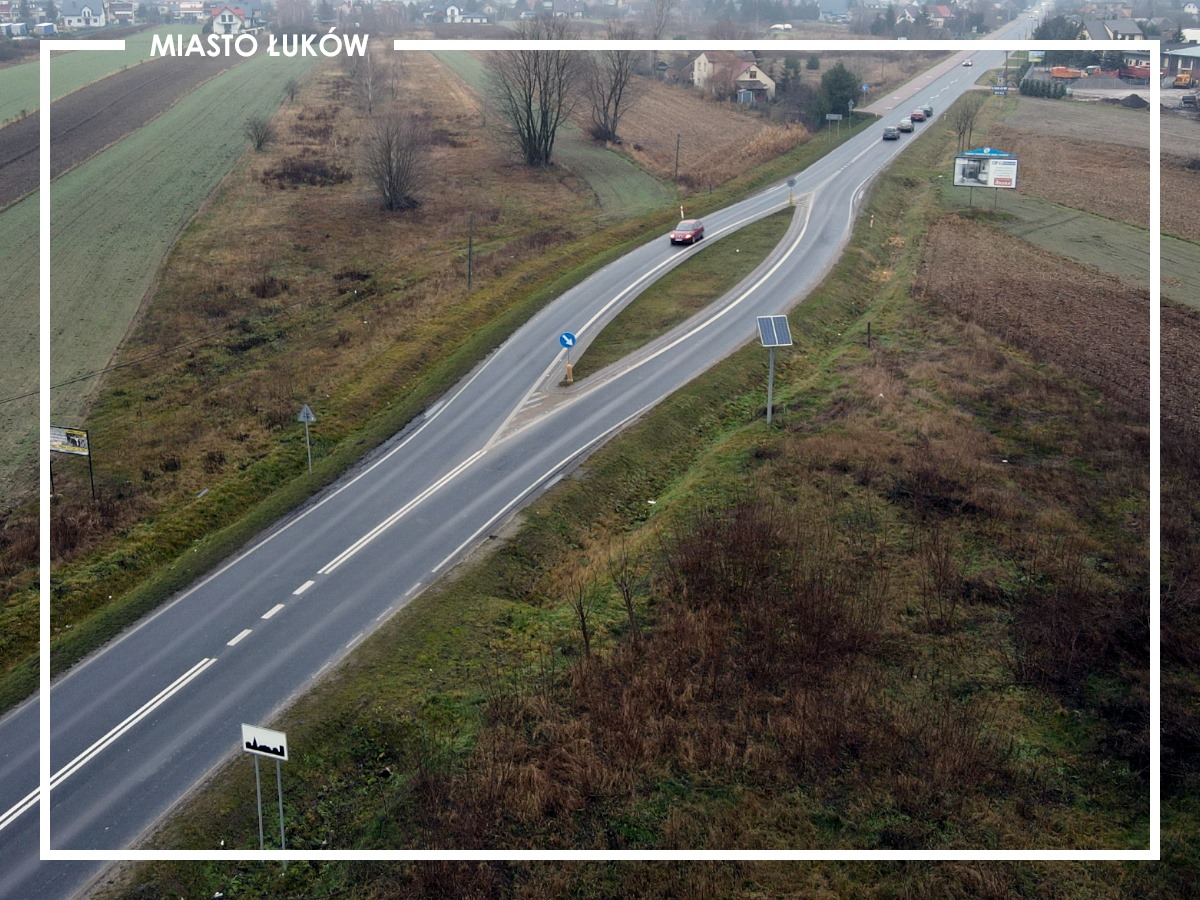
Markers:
point(86, 121)
point(1092, 325)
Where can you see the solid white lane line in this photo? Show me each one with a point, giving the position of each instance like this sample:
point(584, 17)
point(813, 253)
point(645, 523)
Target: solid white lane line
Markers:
point(274, 609)
point(30, 800)
point(399, 514)
point(304, 587)
point(237, 639)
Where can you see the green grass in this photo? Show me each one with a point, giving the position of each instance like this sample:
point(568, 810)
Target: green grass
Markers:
point(684, 291)
point(72, 70)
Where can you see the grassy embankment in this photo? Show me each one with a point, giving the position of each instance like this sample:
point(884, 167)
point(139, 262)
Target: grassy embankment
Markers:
point(894, 694)
point(375, 397)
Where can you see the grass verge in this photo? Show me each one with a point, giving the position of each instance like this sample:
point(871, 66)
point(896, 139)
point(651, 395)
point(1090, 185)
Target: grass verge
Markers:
point(512, 728)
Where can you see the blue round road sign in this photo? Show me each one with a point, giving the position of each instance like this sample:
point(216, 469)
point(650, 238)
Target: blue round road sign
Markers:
point(567, 339)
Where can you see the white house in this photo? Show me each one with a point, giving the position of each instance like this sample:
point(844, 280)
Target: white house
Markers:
point(723, 72)
point(83, 14)
point(231, 20)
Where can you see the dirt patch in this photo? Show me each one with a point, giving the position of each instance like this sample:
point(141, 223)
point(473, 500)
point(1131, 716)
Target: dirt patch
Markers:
point(1180, 336)
point(1180, 185)
point(1092, 326)
point(86, 121)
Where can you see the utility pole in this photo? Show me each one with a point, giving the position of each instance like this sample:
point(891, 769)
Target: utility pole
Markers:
point(470, 249)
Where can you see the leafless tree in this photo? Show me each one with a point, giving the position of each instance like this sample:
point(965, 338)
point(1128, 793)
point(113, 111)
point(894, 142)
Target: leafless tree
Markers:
point(584, 599)
point(291, 88)
point(963, 116)
point(623, 571)
point(395, 159)
point(368, 78)
point(535, 91)
point(659, 14)
point(258, 131)
point(609, 83)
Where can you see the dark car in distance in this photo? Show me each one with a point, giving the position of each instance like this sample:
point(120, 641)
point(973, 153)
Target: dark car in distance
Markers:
point(891, 133)
point(687, 232)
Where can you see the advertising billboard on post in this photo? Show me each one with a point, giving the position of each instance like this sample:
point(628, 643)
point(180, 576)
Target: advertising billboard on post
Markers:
point(985, 168)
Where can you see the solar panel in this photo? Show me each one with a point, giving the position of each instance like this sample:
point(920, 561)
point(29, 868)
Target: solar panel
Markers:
point(773, 331)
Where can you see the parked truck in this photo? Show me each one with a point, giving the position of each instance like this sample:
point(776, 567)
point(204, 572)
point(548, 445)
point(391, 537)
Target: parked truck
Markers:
point(1183, 80)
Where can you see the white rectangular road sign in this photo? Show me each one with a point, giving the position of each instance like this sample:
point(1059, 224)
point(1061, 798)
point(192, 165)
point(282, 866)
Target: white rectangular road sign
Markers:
point(264, 742)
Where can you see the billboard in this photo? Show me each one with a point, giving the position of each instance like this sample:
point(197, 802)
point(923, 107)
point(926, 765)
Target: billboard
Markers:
point(68, 440)
point(985, 171)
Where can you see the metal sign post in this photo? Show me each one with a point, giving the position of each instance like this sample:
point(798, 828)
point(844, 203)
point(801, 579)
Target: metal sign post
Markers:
point(265, 742)
point(773, 331)
point(567, 339)
point(306, 416)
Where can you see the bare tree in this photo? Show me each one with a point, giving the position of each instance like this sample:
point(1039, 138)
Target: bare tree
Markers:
point(367, 76)
point(623, 571)
point(291, 88)
point(584, 599)
point(395, 159)
point(609, 83)
point(535, 90)
point(659, 14)
point(963, 116)
point(258, 131)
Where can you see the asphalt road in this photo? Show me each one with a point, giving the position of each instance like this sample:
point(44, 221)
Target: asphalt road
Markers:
point(138, 724)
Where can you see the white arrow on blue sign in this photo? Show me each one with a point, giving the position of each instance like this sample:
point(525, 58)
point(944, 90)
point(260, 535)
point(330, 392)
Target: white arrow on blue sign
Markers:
point(567, 339)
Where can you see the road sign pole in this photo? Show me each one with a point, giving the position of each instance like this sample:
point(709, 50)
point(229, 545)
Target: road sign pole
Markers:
point(279, 784)
point(308, 447)
point(258, 792)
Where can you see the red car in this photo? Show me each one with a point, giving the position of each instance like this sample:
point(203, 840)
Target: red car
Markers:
point(917, 115)
point(687, 232)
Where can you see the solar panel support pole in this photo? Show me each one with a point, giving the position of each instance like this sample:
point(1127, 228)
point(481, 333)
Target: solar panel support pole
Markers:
point(771, 385)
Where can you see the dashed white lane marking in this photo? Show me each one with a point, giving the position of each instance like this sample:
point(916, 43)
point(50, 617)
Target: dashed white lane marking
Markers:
point(235, 641)
point(304, 587)
point(354, 640)
point(274, 609)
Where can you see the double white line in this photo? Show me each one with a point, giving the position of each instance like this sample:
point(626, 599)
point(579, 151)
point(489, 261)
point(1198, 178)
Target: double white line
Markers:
point(398, 514)
point(30, 800)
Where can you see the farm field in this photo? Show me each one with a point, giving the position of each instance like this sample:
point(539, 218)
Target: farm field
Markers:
point(97, 115)
point(126, 206)
point(71, 70)
point(1094, 327)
